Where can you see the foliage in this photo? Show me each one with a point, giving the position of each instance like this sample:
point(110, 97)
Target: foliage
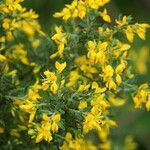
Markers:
point(59, 92)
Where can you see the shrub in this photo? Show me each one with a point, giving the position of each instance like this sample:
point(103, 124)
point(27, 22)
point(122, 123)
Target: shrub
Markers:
point(59, 92)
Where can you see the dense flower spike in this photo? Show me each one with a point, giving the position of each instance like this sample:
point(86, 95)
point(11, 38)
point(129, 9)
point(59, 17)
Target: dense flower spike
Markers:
point(64, 97)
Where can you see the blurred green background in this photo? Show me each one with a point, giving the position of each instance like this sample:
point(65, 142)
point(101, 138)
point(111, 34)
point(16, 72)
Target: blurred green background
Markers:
point(130, 121)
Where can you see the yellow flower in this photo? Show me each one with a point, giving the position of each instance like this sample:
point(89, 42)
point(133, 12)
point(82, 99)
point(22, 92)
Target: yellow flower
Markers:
point(103, 135)
point(73, 77)
point(81, 9)
point(33, 95)
point(141, 30)
point(2, 39)
point(65, 14)
point(45, 117)
point(6, 24)
point(60, 67)
point(129, 33)
point(118, 79)
point(77, 143)
point(54, 87)
point(95, 4)
point(108, 72)
point(122, 22)
point(2, 58)
point(43, 133)
point(111, 85)
point(56, 117)
point(44, 130)
point(9, 36)
point(142, 96)
point(124, 47)
point(97, 88)
point(91, 45)
point(92, 122)
point(28, 28)
point(68, 136)
point(105, 33)
point(29, 15)
point(112, 123)
point(54, 127)
point(82, 105)
point(119, 69)
point(60, 40)
point(50, 76)
point(105, 16)
point(96, 53)
point(83, 87)
point(19, 53)
point(32, 115)
point(29, 108)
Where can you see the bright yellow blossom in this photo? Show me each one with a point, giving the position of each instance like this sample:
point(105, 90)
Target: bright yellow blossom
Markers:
point(60, 67)
point(2, 58)
point(105, 16)
point(130, 33)
point(82, 105)
point(142, 96)
point(60, 40)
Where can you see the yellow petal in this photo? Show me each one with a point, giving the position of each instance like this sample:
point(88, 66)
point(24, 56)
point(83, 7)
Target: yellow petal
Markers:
point(60, 67)
point(118, 79)
point(39, 138)
point(129, 34)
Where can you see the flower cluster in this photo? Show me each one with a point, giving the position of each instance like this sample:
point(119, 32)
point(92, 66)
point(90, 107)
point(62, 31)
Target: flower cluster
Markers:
point(142, 96)
point(79, 9)
point(44, 130)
